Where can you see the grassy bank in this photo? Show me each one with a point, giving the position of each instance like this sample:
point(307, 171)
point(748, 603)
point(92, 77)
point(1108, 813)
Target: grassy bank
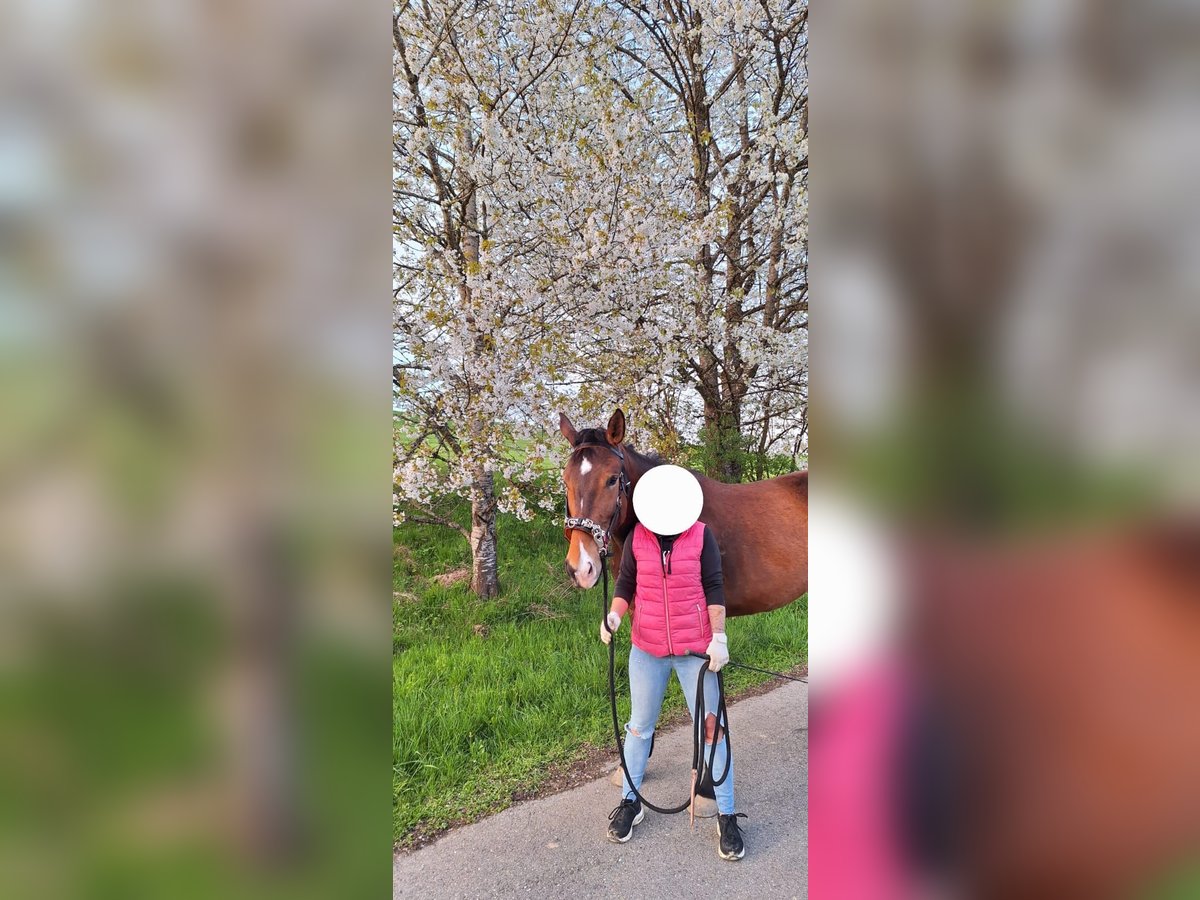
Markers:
point(489, 697)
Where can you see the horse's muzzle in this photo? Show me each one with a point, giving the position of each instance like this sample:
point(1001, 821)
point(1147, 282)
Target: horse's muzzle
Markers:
point(585, 576)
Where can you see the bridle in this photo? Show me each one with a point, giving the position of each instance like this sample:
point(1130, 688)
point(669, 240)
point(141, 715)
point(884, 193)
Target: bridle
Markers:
point(601, 535)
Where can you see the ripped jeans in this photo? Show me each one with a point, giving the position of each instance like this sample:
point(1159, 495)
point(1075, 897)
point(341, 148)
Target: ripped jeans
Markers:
point(648, 679)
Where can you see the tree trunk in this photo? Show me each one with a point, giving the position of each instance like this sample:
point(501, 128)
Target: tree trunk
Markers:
point(722, 437)
point(722, 396)
point(485, 575)
point(485, 579)
point(760, 458)
point(730, 437)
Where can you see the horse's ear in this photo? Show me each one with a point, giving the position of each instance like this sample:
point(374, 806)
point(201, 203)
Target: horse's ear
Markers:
point(616, 428)
point(567, 429)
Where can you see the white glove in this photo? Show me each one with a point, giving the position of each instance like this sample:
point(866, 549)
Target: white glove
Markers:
point(614, 622)
point(718, 652)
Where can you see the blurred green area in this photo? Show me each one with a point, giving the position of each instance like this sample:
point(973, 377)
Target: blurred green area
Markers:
point(1180, 884)
point(120, 779)
point(961, 457)
point(194, 453)
point(141, 653)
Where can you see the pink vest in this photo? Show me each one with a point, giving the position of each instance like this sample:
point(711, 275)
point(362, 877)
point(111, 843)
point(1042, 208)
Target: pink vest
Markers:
point(670, 614)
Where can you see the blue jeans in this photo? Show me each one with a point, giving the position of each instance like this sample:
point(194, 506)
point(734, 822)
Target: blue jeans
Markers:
point(648, 678)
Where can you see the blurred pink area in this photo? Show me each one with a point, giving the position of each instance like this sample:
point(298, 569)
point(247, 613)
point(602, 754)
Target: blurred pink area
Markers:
point(854, 847)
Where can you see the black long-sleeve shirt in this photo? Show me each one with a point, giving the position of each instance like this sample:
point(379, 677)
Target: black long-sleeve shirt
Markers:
point(711, 574)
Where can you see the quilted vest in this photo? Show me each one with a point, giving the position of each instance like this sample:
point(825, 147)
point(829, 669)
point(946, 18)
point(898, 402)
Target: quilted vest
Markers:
point(670, 614)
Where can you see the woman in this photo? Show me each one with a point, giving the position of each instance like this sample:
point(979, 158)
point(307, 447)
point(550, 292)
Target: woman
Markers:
point(671, 570)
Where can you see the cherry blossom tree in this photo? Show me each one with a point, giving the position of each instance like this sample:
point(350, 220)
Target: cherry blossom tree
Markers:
point(476, 312)
point(593, 204)
point(724, 85)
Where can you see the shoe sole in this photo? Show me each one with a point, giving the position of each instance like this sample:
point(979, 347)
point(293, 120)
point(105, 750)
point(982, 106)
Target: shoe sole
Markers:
point(636, 820)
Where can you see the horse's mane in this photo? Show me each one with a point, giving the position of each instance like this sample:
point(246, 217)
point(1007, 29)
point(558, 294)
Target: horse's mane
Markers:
point(650, 457)
point(590, 436)
point(599, 436)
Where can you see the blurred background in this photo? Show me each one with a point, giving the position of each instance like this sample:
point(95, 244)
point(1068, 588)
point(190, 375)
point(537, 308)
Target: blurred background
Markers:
point(193, 527)
point(1006, 547)
point(194, 452)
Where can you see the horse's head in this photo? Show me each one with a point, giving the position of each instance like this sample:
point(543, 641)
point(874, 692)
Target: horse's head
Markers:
point(597, 489)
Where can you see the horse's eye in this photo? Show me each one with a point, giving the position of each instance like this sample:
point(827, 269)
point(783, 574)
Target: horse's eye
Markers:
point(612, 480)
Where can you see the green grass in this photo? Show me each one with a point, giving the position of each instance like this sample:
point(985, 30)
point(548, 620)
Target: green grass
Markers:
point(490, 696)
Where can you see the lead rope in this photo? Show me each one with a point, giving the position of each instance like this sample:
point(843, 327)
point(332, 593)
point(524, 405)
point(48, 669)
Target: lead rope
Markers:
point(722, 721)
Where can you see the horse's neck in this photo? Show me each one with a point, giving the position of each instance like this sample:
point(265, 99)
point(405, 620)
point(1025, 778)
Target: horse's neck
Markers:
point(638, 466)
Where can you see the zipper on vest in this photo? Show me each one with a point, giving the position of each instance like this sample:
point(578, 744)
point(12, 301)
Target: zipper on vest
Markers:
point(666, 602)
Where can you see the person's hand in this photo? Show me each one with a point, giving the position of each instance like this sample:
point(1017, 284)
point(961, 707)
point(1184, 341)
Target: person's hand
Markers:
point(613, 622)
point(718, 652)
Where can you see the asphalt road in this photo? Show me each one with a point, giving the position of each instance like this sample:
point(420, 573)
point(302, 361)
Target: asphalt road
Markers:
point(556, 846)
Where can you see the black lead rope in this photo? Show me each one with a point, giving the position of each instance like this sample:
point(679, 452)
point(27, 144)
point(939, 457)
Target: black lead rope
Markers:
point(722, 723)
point(766, 672)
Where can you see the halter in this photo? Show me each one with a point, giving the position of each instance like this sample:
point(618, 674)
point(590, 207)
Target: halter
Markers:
point(602, 536)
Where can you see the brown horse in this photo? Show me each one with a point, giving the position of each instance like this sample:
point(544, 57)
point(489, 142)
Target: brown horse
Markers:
point(762, 527)
point(1063, 675)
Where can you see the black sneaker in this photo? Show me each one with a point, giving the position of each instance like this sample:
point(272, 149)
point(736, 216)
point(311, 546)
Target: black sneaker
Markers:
point(623, 818)
point(731, 846)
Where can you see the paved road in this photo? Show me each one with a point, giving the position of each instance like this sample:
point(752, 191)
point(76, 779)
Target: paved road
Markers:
point(555, 846)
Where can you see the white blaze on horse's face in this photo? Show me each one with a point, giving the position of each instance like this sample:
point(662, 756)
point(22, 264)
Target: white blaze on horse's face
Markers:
point(583, 564)
point(583, 556)
point(588, 572)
